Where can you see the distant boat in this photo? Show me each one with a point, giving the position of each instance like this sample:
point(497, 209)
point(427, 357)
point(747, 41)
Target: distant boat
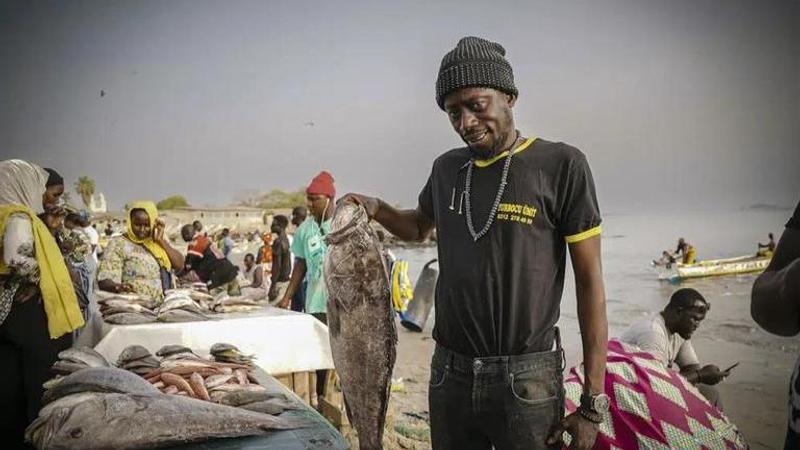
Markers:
point(713, 267)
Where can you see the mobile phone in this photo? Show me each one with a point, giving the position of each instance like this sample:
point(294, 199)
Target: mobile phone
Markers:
point(731, 367)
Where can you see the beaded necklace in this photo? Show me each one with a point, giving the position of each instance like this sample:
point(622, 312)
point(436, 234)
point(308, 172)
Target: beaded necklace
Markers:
point(497, 199)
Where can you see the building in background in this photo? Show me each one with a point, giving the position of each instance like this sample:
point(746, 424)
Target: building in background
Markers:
point(236, 218)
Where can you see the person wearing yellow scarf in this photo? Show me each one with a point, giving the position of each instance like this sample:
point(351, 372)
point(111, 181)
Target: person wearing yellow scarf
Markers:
point(38, 305)
point(144, 230)
point(141, 260)
point(55, 284)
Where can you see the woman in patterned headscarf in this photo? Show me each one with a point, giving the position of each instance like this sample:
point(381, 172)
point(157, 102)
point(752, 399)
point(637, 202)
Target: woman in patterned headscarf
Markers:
point(140, 261)
point(38, 306)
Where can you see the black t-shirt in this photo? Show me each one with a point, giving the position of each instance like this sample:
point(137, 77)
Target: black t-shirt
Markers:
point(501, 295)
point(794, 222)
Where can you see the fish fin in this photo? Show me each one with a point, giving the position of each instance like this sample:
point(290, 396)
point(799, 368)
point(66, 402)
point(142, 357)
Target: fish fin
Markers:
point(347, 409)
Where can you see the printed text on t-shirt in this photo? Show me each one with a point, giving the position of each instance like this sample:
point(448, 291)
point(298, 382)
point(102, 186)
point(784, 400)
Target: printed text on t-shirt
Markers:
point(515, 212)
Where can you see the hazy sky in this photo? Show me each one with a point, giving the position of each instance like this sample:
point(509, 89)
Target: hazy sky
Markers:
point(679, 103)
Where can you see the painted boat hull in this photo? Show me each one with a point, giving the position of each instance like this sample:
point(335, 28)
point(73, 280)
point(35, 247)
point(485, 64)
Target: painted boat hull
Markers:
point(714, 267)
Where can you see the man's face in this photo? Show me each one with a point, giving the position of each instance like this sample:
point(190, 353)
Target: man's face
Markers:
point(298, 218)
point(482, 117)
point(187, 234)
point(248, 262)
point(317, 203)
point(275, 227)
point(690, 318)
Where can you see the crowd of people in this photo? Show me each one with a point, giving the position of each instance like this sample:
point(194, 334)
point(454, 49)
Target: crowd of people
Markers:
point(51, 267)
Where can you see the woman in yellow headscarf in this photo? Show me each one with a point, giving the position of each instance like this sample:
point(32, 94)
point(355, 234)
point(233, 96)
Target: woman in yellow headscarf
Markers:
point(141, 260)
point(38, 306)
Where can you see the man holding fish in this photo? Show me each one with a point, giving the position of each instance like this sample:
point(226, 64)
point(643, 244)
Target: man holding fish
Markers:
point(506, 208)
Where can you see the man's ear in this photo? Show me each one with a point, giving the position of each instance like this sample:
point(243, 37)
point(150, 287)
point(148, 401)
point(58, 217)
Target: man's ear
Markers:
point(512, 99)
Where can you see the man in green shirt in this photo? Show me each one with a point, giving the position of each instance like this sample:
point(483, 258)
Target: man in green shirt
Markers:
point(309, 249)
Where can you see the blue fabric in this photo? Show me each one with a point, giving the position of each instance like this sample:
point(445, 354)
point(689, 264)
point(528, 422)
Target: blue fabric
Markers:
point(227, 246)
point(299, 299)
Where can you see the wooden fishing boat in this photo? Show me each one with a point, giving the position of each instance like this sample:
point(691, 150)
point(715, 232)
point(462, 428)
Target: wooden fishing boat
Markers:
point(713, 267)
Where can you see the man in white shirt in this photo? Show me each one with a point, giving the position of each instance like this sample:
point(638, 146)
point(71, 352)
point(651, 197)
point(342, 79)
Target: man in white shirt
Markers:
point(254, 285)
point(667, 337)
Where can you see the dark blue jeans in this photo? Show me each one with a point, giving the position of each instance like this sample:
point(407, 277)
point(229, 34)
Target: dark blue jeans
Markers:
point(299, 299)
point(505, 402)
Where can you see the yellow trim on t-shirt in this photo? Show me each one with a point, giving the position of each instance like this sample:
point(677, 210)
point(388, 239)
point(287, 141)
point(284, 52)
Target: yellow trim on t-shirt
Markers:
point(490, 161)
point(583, 235)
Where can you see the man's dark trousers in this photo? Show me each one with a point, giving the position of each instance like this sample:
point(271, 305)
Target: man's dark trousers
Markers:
point(505, 402)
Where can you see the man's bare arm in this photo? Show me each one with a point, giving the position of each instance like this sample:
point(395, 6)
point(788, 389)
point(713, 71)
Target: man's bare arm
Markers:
point(298, 273)
point(591, 298)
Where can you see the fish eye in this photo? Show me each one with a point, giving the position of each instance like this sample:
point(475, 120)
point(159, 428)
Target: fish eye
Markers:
point(76, 433)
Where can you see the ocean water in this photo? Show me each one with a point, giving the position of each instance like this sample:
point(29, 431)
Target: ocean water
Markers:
point(631, 240)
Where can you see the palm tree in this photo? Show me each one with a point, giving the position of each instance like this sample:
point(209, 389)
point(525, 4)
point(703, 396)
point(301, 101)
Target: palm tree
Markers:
point(85, 187)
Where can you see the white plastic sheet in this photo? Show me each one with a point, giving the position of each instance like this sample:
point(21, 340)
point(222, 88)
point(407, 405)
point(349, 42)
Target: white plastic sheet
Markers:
point(283, 341)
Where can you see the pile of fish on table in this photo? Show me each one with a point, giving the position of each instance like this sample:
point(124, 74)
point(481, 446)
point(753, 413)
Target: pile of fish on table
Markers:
point(227, 304)
point(126, 309)
point(184, 305)
point(225, 379)
point(190, 303)
point(81, 409)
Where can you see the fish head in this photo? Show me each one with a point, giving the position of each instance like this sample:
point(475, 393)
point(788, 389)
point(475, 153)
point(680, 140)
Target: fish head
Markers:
point(45, 431)
point(80, 425)
point(346, 220)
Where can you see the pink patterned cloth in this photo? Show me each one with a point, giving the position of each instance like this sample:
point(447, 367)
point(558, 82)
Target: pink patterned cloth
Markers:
point(652, 407)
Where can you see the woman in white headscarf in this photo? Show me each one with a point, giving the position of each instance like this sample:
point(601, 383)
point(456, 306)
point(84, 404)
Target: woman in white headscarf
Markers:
point(38, 306)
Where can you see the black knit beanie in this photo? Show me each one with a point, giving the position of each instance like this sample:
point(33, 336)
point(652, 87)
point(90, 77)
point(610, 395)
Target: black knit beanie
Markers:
point(475, 62)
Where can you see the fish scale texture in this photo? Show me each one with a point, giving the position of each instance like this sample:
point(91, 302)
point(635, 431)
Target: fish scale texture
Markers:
point(361, 321)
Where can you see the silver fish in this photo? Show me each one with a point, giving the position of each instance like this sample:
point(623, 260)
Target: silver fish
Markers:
point(360, 320)
point(180, 315)
point(217, 380)
point(85, 355)
point(110, 311)
point(149, 421)
point(244, 397)
point(239, 388)
point(129, 318)
point(132, 353)
point(272, 406)
point(62, 367)
point(133, 307)
point(173, 349)
point(176, 302)
point(99, 379)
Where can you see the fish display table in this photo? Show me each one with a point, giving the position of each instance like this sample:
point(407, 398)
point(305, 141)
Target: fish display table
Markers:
point(282, 341)
point(319, 435)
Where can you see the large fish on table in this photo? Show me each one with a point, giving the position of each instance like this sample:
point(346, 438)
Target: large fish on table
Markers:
point(102, 420)
point(360, 320)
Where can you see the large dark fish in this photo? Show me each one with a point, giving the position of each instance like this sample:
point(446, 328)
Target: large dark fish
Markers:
point(360, 320)
point(99, 379)
point(129, 421)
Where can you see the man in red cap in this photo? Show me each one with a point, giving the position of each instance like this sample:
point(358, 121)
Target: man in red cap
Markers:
point(309, 249)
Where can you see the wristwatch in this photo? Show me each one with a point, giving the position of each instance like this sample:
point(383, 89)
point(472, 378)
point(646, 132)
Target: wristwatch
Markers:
point(594, 407)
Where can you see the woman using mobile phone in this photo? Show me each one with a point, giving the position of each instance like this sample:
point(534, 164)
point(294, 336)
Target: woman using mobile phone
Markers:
point(141, 260)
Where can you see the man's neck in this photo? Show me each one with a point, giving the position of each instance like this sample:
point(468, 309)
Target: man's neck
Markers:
point(667, 323)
